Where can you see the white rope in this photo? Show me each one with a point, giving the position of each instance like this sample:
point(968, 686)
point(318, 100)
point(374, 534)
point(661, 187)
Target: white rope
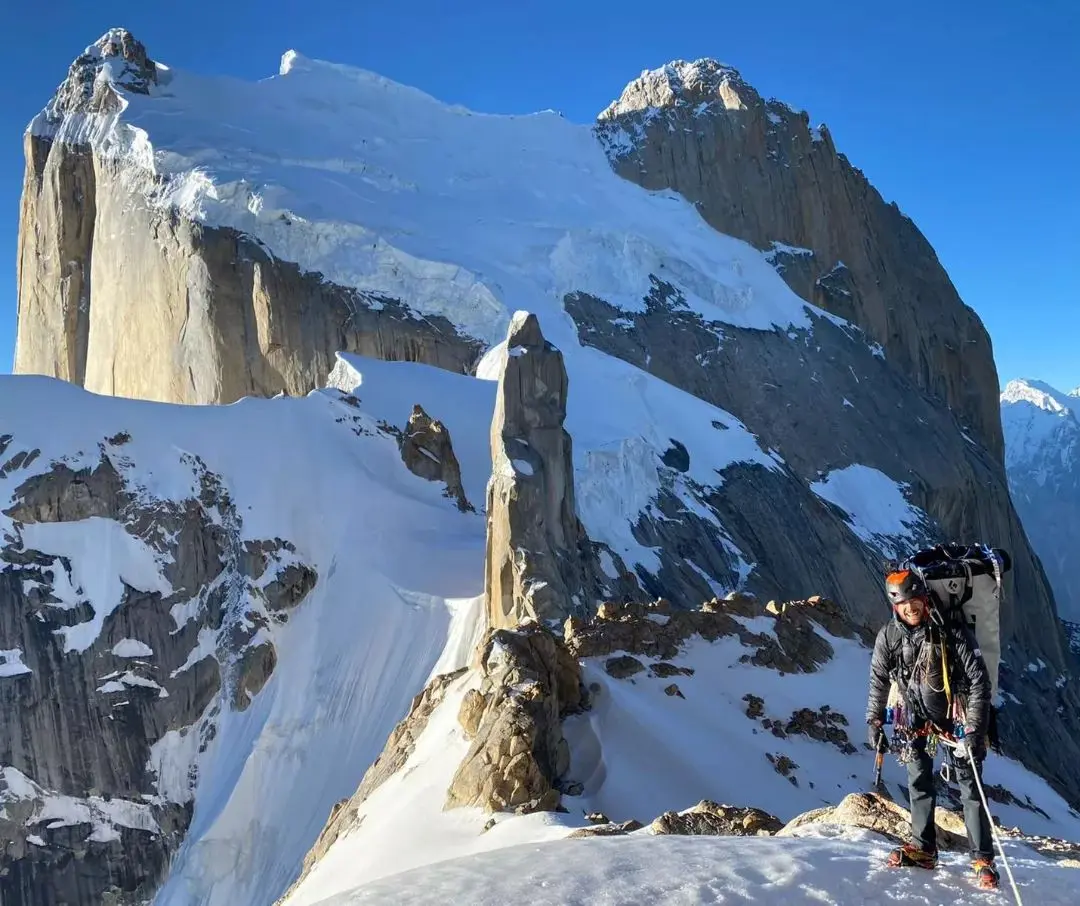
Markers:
point(993, 832)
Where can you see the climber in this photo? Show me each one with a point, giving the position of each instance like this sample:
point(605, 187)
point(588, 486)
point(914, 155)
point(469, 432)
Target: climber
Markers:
point(933, 676)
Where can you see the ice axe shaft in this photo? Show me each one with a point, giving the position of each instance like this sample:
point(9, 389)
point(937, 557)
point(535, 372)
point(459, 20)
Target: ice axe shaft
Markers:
point(879, 756)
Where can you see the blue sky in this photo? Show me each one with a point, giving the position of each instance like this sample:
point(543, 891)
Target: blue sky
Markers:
point(964, 113)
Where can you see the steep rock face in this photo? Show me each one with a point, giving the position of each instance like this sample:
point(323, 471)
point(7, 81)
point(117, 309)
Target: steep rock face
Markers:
point(823, 409)
point(1042, 458)
point(540, 564)
point(130, 299)
point(756, 169)
point(228, 319)
point(98, 690)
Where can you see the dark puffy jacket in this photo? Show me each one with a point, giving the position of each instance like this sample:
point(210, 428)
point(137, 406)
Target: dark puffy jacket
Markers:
point(896, 651)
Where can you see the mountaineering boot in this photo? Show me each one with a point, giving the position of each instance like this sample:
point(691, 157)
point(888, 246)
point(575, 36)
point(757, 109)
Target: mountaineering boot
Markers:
point(911, 856)
point(986, 875)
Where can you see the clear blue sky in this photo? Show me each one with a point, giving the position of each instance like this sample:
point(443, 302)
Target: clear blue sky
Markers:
point(964, 113)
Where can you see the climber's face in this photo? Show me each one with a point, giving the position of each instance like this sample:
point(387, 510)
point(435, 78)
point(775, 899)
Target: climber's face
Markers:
point(912, 611)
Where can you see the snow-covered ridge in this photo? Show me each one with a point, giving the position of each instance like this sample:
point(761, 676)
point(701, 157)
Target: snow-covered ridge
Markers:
point(380, 187)
point(728, 729)
point(399, 568)
point(1041, 426)
point(1042, 396)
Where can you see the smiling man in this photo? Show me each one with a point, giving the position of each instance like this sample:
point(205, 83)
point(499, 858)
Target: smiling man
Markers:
point(941, 686)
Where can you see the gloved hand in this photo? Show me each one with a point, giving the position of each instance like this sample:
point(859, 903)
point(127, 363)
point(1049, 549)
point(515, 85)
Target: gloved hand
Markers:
point(875, 735)
point(976, 744)
point(970, 743)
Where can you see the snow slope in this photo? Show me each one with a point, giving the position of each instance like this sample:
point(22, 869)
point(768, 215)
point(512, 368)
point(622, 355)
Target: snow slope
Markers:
point(400, 571)
point(639, 752)
point(841, 868)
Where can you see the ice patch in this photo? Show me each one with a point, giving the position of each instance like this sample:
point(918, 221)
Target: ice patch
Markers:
point(12, 664)
point(132, 679)
point(132, 648)
point(782, 248)
point(521, 467)
point(205, 647)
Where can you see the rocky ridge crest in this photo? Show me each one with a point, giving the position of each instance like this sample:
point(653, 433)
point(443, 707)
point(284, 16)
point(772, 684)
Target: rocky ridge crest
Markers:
point(757, 170)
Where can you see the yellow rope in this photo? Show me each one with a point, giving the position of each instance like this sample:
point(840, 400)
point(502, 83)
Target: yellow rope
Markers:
point(945, 676)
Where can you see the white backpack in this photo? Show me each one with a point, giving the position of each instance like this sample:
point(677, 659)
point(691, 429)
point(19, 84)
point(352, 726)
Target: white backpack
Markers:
point(966, 581)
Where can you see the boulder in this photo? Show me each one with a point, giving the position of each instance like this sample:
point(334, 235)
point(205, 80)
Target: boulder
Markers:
point(427, 451)
point(608, 829)
point(883, 816)
point(709, 817)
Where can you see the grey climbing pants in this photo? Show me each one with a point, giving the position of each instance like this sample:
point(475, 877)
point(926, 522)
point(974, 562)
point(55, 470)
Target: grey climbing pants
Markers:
point(921, 786)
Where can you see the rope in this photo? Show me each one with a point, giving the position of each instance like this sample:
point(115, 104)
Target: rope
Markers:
point(945, 676)
point(993, 831)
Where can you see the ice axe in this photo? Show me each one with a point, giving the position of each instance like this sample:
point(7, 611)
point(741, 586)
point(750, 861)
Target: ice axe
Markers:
point(880, 748)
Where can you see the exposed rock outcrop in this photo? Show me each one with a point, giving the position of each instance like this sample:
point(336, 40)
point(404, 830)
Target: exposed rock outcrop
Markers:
point(540, 563)
point(883, 816)
point(99, 683)
point(757, 170)
point(518, 754)
point(608, 829)
point(657, 630)
point(711, 818)
point(428, 451)
point(523, 683)
point(707, 818)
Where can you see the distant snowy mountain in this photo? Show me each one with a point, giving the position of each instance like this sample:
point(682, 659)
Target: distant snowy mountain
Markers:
point(1042, 458)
